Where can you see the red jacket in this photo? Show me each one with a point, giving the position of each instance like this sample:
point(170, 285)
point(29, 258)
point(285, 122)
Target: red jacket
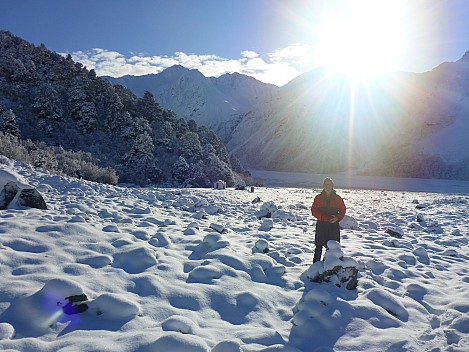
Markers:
point(324, 207)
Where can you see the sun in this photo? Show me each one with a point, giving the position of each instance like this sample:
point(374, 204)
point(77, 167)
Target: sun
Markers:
point(361, 38)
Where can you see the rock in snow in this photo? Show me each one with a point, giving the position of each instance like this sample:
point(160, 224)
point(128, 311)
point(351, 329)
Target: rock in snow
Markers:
point(261, 246)
point(340, 270)
point(16, 192)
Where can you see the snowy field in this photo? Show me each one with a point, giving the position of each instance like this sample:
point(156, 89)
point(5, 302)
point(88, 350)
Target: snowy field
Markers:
point(140, 269)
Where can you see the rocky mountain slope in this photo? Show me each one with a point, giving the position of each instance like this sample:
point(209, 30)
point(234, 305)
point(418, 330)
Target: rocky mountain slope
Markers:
point(400, 124)
point(218, 103)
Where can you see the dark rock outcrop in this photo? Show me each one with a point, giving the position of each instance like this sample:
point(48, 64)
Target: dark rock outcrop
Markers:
point(7, 194)
point(28, 197)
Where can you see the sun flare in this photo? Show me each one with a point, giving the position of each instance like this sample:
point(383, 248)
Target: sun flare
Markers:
point(361, 39)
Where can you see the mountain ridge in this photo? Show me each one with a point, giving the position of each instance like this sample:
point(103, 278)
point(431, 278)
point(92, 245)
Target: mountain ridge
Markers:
point(231, 95)
point(401, 122)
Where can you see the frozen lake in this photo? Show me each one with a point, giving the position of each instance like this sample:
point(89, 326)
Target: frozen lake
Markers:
point(350, 181)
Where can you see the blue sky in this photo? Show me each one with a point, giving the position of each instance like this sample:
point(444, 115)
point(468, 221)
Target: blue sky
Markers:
point(272, 40)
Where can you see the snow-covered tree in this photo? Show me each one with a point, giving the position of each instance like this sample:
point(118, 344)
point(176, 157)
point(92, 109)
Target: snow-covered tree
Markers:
point(197, 176)
point(8, 123)
point(148, 108)
point(141, 160)
point(83, 109)
point(87, 116)
point(190, 146)
point(117, 120)
point(134, 128)
point(180, 170)
point(180, 127)
point(47, 103)
point(217, 169)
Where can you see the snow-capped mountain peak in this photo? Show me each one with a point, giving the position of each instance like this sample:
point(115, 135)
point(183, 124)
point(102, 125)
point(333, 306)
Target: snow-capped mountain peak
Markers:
point(219, 103)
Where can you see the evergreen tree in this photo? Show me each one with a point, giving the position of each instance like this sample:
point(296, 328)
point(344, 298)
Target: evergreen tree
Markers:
point(180, 170)
point(148, 108)
point(82, 108)
point(191, 149)
point(217, 169)
point(47, 103)
point(141, 161)
point(197, 175)
point(8, 123)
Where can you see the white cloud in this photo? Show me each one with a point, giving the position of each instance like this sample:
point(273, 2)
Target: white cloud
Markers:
point(297, 54)
point(249, 54)
point(278, 67)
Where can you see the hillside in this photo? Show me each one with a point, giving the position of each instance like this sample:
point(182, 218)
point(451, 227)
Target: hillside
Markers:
point(46, 98)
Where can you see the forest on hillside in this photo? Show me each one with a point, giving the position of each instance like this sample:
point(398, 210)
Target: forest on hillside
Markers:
point(57, 114)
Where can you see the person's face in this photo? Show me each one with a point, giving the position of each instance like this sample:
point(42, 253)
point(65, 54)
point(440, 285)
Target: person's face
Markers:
point(328, 187)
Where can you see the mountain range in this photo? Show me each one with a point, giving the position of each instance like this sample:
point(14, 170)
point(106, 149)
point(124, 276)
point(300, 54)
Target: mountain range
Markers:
point(398, 124)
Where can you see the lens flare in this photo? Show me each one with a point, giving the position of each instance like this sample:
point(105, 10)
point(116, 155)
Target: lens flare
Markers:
point(361, 37)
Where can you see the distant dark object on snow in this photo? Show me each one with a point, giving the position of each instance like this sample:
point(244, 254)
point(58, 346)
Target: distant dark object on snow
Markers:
point(70, 308)
point(220, 185)
point(395, 233)
point(256, 200)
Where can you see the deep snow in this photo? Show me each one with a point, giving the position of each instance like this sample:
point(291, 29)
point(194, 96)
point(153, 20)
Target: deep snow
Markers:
point(197, 270)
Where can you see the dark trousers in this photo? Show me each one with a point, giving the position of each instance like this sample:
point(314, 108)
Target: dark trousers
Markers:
point(317, 254)
point(324, 232)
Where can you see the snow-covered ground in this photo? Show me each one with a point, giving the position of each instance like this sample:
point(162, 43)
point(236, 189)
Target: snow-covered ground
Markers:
point(197, 270)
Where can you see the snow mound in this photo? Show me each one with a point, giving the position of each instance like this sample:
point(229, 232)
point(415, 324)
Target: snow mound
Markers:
point(176, 342)
point(266, 210)
point(6, 331)
point(227, 346)
point(111, 228)
point(266, 225)
point(218, 227)
point(191, 231)
point(395, 231)
point(114, 307)
point(337, 269)
point(135, 260)
point(95, 261)
point(348, 223)
point(160, 239)
point(389, 302)
point(211, 239)
point(180, 324)
point(204, 274)
point(284, 215)
point(141, 235)
point(261, 245)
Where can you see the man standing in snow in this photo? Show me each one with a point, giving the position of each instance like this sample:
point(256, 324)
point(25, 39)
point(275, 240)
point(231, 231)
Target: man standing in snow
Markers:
point(328, 208)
